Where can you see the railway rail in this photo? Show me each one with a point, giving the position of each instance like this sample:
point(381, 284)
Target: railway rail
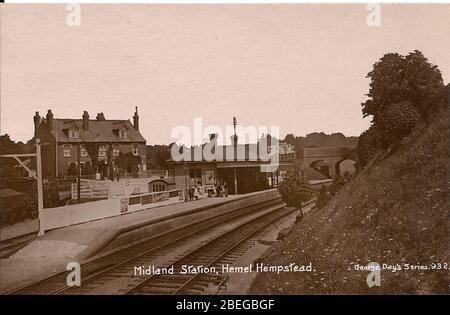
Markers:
point(206, 244)
point(207, 260)
point(99, 266)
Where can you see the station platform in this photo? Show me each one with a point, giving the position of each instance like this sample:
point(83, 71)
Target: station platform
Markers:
point(52, 252)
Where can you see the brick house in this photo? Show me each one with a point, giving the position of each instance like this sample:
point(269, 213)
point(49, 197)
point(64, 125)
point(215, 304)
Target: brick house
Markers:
point(66, 140)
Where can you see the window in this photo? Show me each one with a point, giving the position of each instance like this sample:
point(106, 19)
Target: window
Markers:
point(116, 150)
point(73, 133)
point(122, 133)
point(157, 188)
point(84, 152)
point(135, 149)
point(66, 150)
point(102, 151)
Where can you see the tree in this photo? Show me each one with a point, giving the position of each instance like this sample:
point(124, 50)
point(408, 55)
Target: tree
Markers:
point(87, 169)
point(337, 184)
point(289, 139)
point(396, 78)
point(295, 189)
point(128, 162)
point(400, 91)
point(8, 146)
point(92, 150)
point(157, 156)
point(72, 170)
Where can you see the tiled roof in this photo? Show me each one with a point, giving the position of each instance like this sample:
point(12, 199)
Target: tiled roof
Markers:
point(99, 131)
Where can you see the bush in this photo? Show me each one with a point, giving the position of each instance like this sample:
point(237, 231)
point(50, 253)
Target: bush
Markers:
point(397, 122)
point(368, 144)
point(87, 169)
point(72, 169)
point(338, 183)
point(295, 189)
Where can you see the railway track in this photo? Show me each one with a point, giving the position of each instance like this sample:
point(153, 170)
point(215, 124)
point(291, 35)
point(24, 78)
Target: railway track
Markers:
point(9, 247)
point(110, 267)
point(207, 260)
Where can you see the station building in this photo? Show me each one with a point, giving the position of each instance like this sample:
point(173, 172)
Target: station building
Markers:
point(244, 173)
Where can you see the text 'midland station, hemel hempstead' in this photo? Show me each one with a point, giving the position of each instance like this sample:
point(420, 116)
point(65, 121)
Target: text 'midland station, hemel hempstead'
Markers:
point(225, 268)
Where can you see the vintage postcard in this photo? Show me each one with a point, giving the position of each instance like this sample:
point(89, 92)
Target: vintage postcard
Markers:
point(252, 149)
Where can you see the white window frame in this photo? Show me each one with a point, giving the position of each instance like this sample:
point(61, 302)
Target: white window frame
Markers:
point(136, 149)
point(116, 150)
point(67, 151)
point(73, 133)
point(122, 133)
point(102, 151)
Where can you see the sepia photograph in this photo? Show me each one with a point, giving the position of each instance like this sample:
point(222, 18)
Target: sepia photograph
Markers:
point(224, 149)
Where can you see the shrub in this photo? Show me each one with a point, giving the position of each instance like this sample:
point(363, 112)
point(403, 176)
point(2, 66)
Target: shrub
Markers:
point(87, 169)
point(72, 169)
point(397, 122)
point(368, 144)
point(295, 189)
point(338, 183)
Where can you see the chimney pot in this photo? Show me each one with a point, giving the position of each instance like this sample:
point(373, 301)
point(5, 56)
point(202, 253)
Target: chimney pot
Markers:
point(136, 119)
point(37, 122)
point(85, 120)
point(49, 117)
point(100, 116)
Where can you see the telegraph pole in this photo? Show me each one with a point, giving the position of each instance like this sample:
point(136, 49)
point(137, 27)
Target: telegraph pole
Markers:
point(39, 186)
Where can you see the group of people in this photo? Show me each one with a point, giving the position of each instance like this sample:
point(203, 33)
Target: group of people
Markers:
point(194, 193)
point(217, 190)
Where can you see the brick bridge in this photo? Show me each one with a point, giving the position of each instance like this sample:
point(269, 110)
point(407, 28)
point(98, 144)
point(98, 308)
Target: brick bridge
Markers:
point(333, 156)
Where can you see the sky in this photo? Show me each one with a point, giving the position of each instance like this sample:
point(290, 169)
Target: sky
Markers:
point(300, 67)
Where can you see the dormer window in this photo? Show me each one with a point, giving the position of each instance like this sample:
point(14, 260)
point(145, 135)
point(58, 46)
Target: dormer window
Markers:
point(122, 133)
point(74, 133)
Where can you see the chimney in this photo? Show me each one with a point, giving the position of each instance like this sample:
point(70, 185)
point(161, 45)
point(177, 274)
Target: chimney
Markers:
point(49, 119)
point(37, 122)
point(100, 117)
point(85, 120)
point(136, 120)
point(234, 138)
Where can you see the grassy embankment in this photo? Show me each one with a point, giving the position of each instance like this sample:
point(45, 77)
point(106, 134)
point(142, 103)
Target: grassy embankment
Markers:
point(394, 211)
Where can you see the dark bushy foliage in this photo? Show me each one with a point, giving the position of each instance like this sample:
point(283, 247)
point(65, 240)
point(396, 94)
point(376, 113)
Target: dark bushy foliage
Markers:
point(295, 189)
point(87, 169)
point(72, 169)
point(396, 78)
point(128, 162)
point(368, 145)
point(397, 122)
point(400, 91)
point(338, 183)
